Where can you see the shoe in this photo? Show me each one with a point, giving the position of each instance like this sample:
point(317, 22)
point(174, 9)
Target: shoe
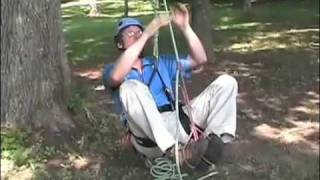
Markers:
point(192, 153)
point(214, 151)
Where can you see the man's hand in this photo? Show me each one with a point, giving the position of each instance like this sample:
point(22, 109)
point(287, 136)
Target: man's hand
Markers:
point(181, 16)
point(158, 22)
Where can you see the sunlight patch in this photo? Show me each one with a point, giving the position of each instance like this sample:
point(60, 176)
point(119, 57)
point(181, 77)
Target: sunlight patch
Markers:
point(99, 88)
point(292, 38)
point(294, 135)
point(305, 110)
point(239, 26)
point(91, 74)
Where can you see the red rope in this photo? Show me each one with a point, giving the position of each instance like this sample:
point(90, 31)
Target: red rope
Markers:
point(196, 132)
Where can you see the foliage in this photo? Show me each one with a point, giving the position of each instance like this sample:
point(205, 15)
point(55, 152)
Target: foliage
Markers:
point(14, 146)
point(17, 145)
point(77, 102)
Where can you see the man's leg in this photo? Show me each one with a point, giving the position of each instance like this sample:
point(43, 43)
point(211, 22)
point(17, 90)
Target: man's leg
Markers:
point(215, 108)
point(144, 119)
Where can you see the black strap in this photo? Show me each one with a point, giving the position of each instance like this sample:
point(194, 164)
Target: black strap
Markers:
point(144, 141)
point(166, 90)
point(165, 108)
point(184, 120)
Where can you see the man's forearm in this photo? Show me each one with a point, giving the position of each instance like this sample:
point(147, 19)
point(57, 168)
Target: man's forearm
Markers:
point(127, 60)
point(197, 51)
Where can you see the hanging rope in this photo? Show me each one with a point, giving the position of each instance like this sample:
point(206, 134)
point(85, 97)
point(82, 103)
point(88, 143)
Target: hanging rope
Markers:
point(176, 92)
point(164, 168)
point(155, 6)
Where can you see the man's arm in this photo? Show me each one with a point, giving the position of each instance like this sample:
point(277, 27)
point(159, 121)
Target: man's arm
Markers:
point(126, 60)
point(197, 52)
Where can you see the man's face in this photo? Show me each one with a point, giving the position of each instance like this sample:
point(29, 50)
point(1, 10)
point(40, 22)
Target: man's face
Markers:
point(129, 36)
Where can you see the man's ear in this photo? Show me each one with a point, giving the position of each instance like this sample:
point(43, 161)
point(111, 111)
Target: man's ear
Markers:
point(120, 45)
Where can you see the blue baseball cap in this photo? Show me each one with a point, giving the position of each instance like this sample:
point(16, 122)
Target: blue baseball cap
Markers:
point(126, 22)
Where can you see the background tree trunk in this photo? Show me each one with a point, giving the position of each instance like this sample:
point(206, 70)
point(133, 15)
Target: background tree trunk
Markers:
point(126, 8)
point(35, 75)
point(247, 6)
point(202, 24)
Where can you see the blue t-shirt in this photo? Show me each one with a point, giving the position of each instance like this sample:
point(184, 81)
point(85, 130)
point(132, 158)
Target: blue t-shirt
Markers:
point(167, 68)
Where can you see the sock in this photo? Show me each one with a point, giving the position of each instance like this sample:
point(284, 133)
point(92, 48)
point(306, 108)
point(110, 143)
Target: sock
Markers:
point(227, 138)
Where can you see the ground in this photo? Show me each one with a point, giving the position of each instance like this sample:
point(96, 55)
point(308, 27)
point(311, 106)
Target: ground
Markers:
point(272, 52)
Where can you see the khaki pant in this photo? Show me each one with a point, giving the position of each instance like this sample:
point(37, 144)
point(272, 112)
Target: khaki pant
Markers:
point(214, 110)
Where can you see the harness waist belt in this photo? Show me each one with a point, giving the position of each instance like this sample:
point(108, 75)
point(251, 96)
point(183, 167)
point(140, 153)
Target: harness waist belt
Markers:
point(165, 108)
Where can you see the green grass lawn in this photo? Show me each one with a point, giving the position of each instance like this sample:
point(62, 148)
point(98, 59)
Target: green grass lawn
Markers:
point(89, 41)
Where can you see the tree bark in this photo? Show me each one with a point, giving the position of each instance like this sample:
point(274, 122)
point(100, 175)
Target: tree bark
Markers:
point(202, 24)
point(35, 75)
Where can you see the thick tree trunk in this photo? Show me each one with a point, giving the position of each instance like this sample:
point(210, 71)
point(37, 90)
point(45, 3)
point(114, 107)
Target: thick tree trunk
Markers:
point(202, 24)
point(35, 75)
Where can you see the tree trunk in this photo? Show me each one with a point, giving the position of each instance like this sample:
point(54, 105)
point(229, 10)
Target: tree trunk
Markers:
point(94, 12)
point(126, 8)
point(247, 6)
point(35, 75)
point(202, 24)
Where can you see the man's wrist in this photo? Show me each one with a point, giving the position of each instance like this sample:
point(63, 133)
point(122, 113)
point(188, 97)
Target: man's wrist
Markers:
point(186, 29)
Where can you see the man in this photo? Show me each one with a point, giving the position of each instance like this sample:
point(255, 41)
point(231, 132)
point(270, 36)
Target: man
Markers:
point(143, 88)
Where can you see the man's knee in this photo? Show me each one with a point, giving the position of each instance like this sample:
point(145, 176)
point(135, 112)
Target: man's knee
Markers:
point(226, 81)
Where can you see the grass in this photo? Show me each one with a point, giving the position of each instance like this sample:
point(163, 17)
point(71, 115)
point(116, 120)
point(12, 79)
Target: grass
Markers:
point(90, 40)
point(87, 39)
point(273, 53)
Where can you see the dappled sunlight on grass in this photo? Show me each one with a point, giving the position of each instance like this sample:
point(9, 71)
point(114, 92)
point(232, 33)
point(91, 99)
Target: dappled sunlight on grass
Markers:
point(87, 39)
point(273, 103)
point(242, 26)
point(287, 39)
point(298, 134)
point(6, 166)
point(77, 162)
point(226, 19)
point(91, 73)
point(308, 107)
point(99, 88)
point(107, 8)
point(305, 109)
point(70, 28)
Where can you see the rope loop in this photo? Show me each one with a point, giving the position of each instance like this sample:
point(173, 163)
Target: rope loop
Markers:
point(163, 169)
